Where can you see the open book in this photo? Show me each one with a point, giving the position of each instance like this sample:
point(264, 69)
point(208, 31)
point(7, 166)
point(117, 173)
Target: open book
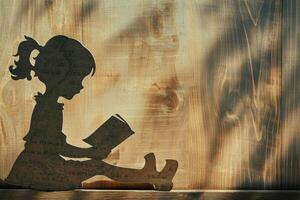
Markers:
point(110, 134)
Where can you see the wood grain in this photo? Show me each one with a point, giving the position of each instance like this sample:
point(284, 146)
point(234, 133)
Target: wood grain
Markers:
point(212, 84)
point(290, 138)
point(143, 194)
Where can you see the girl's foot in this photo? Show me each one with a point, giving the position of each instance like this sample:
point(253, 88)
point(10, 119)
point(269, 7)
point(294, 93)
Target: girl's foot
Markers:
point(161, 180)
point(150, 163)
point(166, 175)
point(168, 172)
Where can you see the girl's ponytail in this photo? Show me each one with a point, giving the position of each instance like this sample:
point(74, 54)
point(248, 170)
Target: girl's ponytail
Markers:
point(23, 66)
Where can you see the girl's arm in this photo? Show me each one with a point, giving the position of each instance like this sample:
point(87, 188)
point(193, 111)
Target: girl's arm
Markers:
point(73, 151)
point(77, 152)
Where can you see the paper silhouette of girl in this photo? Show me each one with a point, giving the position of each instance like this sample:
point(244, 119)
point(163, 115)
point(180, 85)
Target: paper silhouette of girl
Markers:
point(61, 65)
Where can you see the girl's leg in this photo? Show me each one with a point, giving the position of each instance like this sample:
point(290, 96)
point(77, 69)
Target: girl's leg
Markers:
point(161, 180)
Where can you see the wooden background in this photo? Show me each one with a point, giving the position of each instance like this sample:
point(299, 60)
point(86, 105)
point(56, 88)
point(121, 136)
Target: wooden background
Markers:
point(213, 84)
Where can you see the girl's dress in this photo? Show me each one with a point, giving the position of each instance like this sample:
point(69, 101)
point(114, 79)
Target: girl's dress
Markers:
point(40, 165)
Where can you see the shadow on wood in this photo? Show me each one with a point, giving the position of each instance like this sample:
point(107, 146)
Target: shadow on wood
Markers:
point(61, 65)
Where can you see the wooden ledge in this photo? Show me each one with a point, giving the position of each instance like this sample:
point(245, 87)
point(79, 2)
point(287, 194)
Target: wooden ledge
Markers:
point(85, 194)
